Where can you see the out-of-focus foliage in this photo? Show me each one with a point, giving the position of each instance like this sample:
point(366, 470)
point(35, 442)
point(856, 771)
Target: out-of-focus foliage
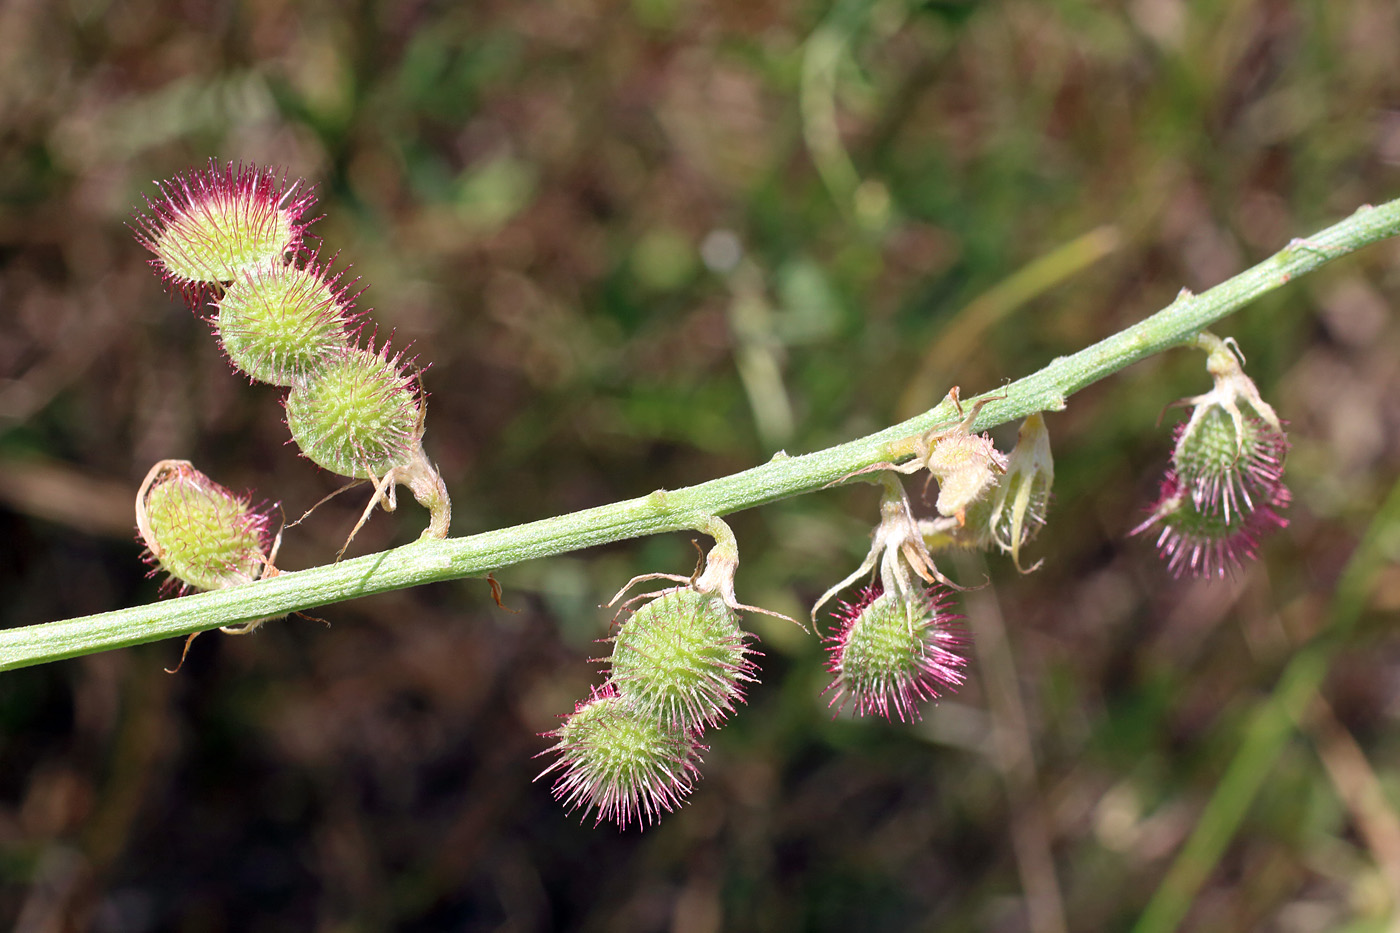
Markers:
point(643, 244)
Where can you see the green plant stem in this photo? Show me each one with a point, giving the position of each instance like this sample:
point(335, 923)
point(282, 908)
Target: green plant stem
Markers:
point(428, 561)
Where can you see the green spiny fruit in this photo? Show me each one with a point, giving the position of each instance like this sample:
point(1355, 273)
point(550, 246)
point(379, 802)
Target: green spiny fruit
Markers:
point(621, 761)
point(1228, 466)
point(208, 226)
point(281, 324)
point(890, 653)
point(359, 417)
point(203, 535)
point(682, 658)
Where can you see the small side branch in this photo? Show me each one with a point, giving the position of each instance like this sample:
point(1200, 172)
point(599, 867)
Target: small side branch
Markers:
point(434, 559)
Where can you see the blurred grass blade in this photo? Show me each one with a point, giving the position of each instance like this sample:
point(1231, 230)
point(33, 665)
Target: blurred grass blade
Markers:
point(1271, 726)
point(822, 54)
point(757, 356)
point(987, 309)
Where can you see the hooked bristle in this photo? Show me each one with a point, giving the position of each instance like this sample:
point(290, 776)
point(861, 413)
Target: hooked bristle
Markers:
point(890, 655)
point(202, 534)
point(281, 324)
point(209, 225)
point(624, 764)
point(683, 659)
point(360, 416)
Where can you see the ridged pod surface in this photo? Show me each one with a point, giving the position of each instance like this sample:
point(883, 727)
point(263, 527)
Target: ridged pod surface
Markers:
point(210, 225)
point(624, 763)
point(199, 532)
point(682, 658)
point(359, 417)
point(281, 324)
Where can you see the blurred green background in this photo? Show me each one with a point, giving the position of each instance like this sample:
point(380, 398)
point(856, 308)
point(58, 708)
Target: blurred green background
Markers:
point(642, 244)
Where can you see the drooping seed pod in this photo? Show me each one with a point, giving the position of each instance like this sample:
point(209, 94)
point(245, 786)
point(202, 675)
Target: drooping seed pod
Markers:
point(281, 324)
point(891, 652)
point(682, 658)
point(1209, 542)
point(1224, 491)
point(210, 225)
point(1232, 449)
point(203, 535)
point(1225, 466)
point(360, 416)
point(899, 549)
point(1013, 510)
point(627, 765)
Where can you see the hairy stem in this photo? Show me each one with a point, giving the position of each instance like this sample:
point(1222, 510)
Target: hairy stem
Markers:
point(430, 560)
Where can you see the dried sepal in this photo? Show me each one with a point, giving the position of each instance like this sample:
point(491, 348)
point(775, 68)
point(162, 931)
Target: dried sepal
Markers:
point(209, 225)
point(716, 578)
point(967, 467)
point(944, 533)
point(1233, 391)
point(1019, 503)
point(897, 549)
point(628, 766)
point(891, 652)
point(1013, 511)
point(281, 324)
point(199, 532)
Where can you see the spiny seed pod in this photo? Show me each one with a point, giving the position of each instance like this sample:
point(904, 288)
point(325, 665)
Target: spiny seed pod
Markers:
point(1226, 466)
point(1209, 542)
point(360, 416)
point(1224, 490)
point(626, 764)
point(892, 652)
point(280, 324)
point(208, 226)
point(203, 535)
point(682, 659)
